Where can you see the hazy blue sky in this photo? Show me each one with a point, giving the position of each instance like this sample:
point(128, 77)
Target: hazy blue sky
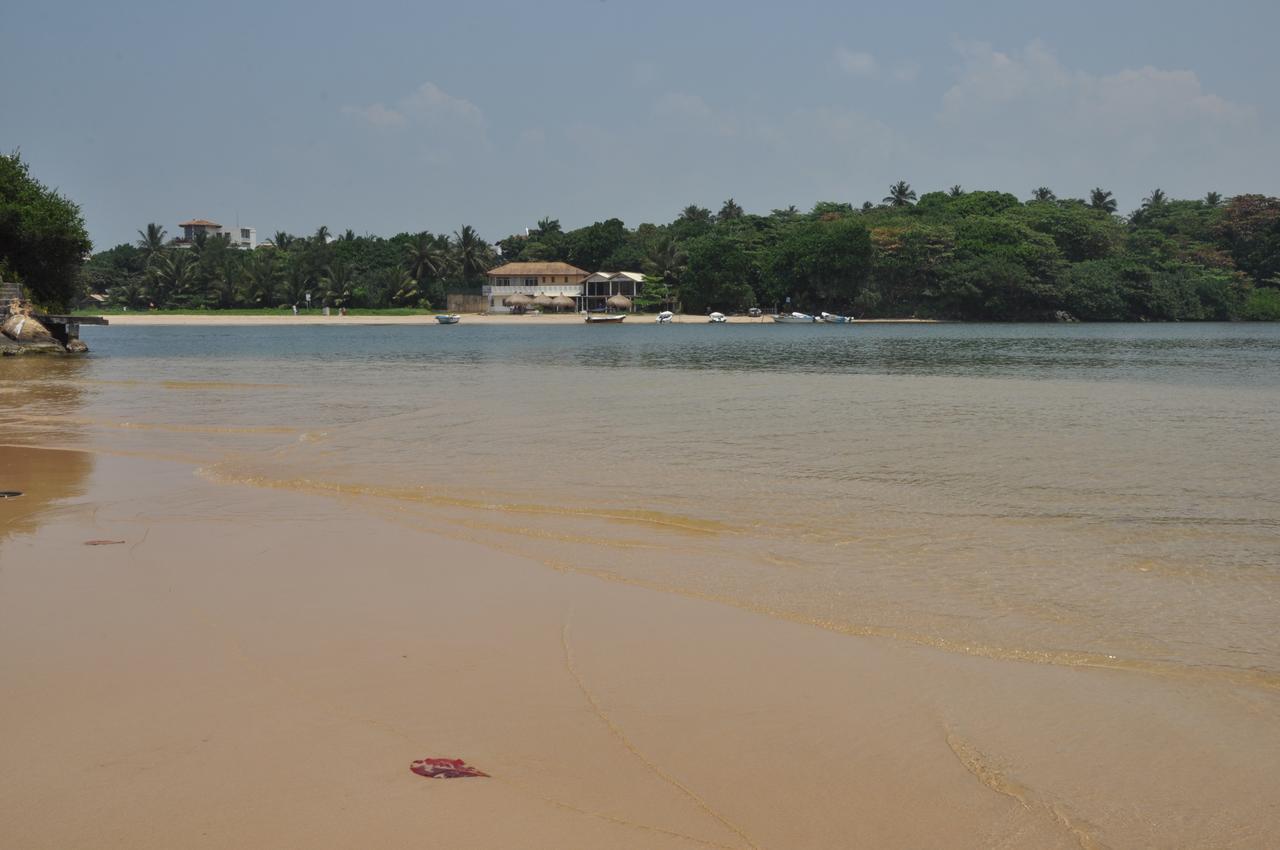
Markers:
point(384, 117)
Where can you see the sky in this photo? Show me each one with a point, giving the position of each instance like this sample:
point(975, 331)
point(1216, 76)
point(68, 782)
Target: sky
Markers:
point(389, 117)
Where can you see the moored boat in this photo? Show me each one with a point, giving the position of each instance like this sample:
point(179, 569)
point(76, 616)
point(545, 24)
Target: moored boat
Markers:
point(717, 318)
point(606, 319)
point(833, 319)
point(665, 317)
point(448, 318)
point(794, 319)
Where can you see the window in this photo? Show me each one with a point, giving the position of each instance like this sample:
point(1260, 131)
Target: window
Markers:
point(530, 281)
point(244, 233)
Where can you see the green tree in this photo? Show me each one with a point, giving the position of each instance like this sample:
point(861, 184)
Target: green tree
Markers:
point(1101, 199)
point(900, 195)
point(1043, 194)
point(471, 254)
point(151, 241)
point(729, 211)
point(1157, 198)
point(955, 191)
point(1213, 200)
point(42, 236)
point(1250, 232)
point(718, 272)
point(338, 281)
point(821, 263)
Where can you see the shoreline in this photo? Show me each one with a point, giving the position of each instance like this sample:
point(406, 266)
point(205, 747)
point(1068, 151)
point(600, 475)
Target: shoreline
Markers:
point(214, 319)
point(289, 672)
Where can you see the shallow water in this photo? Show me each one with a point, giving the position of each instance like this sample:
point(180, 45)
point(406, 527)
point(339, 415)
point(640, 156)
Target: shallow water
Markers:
point(1090, 494)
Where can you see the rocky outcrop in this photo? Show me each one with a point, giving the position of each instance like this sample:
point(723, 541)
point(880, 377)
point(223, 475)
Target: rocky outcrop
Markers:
point(23, 333)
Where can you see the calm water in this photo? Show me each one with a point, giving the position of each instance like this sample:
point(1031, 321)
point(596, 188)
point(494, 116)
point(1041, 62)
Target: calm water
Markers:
point(1067, 494)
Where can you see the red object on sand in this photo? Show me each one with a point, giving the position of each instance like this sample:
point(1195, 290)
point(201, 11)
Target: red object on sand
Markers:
point(444, 769)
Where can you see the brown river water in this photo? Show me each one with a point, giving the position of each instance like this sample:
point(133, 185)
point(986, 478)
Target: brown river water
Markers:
point(1087, 495)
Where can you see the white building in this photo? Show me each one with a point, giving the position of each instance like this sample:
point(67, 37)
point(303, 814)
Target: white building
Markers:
point(601, 286)
point(241, 237)
point(532, 279)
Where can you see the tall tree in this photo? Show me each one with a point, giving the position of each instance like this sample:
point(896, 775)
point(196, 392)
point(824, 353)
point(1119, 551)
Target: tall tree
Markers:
point(696, 214)
point(1101, 199)
point(42, 236)
point(729, 211)
point(1213, 200)
point(338, 282)
point(282, 240)
point(322, 235)
point(900, 195)
point(470, 252)
point(151, 240)
point(1043, 193)
point(1157, 198)
point(955, 191)
point(425, 257)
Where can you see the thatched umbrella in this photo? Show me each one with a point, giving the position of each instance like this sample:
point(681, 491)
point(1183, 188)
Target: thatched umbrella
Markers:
point(561, 301)
point(622, 302)
point(519, 299)
point(542, 301)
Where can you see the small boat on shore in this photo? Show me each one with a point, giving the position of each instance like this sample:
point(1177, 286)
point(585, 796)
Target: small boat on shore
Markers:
point(606, 319)
point(448, 318)
point(794, 319)
point(717, 318)
point(665, 317)
point(833, 319)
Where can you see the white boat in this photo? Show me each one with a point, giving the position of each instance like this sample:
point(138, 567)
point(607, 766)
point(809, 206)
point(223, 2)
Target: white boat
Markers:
point(605, 319)
point(665, 317)
point(448, 318)
point(717, 318)
point(794, 319)
point(832, 318)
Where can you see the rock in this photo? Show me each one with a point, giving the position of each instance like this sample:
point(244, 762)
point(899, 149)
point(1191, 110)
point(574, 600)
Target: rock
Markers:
point(76, 346)
point(8, 348)
point(22, 328)
point(1064, 316)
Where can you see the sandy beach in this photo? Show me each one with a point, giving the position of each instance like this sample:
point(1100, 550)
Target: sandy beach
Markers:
point(529, 320)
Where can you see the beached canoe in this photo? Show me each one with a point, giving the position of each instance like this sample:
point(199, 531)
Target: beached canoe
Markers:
point(833, 319)
point(794, 319)
point(449, 319)
point(603, 320)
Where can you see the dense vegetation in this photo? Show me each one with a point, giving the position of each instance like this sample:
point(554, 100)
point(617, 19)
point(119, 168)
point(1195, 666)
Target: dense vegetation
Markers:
point(42, 237)
point(954, 254)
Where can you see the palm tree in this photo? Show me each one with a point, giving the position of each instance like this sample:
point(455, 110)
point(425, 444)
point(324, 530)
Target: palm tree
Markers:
point(1042, 194)
point(296, 283)
point(729, 211)
point(955, 191)
point(151, 240)
point(403, 288)
point(548, 226)
point(867, 206)
point(348, 235)
point(261, 276)
point(665, 260)
point(693, 212)
point(337, 281)
point(900, 194)
point(322, 235)
point(1157, 198)
point(470, 251)
point(282, 240)
point(425, 256)
point(1213, 200)
point(171, 276)
point(1101, 199)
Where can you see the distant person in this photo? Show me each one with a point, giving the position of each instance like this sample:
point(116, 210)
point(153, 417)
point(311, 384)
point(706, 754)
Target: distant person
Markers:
point(295, 309)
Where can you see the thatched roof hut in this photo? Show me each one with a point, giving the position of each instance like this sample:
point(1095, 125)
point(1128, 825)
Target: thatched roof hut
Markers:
point(542, 301)
point(561, 302)
point(620, 302)
point(519, 299)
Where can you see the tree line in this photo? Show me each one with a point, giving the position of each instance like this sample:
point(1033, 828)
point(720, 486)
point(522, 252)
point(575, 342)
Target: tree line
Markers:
point(951, 254)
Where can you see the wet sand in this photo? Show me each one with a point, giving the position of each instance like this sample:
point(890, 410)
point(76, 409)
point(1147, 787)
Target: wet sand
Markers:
point(257, 668)
point(467, 318)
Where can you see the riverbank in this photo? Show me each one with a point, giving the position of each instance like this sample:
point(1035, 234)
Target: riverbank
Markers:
point(529, 320)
